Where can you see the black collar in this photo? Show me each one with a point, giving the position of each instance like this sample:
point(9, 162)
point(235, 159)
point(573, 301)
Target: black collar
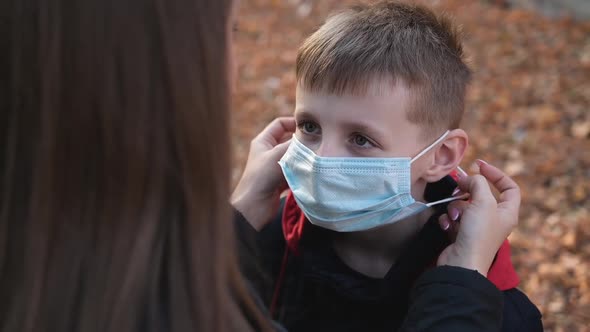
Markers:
point(321, 263)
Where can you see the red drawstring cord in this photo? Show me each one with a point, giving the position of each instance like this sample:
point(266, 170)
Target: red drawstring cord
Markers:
point(279, 283)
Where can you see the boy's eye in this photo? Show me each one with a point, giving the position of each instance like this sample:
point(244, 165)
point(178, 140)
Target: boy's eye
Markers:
point(309, 128)
point(361, 141)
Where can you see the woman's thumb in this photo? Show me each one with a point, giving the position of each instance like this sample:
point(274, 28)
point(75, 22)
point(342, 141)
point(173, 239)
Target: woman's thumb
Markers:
point(279, 150)
point(478, 187)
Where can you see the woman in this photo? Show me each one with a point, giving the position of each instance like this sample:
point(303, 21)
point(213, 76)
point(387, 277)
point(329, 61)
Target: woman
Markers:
point(115, 163)
point(114, 170)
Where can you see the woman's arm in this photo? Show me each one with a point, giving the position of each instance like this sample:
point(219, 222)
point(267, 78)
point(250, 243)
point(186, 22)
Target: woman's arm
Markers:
point(450, 298)
point(456, 296)
point(257, 195)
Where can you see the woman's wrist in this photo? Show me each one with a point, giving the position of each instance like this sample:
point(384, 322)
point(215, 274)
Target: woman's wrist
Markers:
point(481, 269)
point(470, 261)
point(256, 211)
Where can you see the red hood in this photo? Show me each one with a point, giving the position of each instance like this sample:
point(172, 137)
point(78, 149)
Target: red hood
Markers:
point(293, 223)
point(501, 273)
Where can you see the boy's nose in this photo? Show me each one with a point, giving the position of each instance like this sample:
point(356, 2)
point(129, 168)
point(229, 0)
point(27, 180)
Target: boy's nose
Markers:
point(328, 149)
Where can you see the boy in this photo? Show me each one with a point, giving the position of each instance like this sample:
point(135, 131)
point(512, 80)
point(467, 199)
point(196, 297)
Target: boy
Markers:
point(380, 97)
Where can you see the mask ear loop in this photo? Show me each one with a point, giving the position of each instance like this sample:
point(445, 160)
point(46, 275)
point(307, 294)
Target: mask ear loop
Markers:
point(450, 199)
point(463, 173)
point(463, 196)
point(440, 139)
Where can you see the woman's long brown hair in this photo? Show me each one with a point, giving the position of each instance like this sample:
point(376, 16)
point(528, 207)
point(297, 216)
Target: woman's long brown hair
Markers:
point(114, 168)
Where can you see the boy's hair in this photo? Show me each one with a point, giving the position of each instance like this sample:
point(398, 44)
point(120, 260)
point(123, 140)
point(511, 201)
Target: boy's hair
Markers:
point(393, 42)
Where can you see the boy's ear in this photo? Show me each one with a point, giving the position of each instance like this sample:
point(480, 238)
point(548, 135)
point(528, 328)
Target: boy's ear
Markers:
point(447, 155)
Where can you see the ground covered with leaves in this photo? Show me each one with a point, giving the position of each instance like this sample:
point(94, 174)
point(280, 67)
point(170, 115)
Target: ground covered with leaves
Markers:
point(528, 111)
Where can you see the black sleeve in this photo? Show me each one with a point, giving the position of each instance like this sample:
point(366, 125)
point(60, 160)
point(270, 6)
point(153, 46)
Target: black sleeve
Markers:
point(454, 299)
point(250, 245)
point(260, 253)
point(269, 237)
point(520, 314)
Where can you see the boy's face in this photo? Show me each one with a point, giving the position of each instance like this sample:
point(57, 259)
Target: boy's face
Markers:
point(375, 125)
point(372, 125)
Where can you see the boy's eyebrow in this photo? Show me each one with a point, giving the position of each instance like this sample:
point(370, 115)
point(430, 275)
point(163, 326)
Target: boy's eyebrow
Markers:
point(372, 131)
point(304, 114)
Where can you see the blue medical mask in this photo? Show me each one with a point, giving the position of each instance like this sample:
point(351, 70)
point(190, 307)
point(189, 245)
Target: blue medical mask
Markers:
point(352, 194)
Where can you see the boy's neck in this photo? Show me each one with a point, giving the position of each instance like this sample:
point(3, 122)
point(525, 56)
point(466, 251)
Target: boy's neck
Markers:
point(374, 252)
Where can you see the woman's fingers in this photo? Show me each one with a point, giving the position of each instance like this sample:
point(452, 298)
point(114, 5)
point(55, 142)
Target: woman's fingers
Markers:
point(257, 193)
point(449, 226)
point(276, 131)
point(484, 223)
point(449, 221)
point(478, 187)
point(509, 190)
point(279, 150)
point(444, 222)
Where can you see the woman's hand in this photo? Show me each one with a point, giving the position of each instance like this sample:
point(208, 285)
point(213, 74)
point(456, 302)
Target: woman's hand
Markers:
point(257, 195)
point(485, 221)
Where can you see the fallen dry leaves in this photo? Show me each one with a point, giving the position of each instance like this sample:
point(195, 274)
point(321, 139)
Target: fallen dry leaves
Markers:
point(528, 112)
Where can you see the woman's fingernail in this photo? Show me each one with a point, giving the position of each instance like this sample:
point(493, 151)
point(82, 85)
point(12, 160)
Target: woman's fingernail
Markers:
point(454, 214)
point(456, 191)
point(474, 167)
point(444, 222)
point(481, 162)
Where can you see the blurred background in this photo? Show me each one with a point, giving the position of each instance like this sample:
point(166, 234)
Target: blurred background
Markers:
point(528, 111)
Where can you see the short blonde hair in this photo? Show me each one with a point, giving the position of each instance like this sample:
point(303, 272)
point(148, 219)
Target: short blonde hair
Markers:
point(395, 42)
